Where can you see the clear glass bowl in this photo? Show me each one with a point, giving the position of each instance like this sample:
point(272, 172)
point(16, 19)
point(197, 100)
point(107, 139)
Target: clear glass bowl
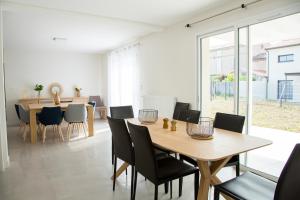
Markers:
point(203, 130)
point(148, 116)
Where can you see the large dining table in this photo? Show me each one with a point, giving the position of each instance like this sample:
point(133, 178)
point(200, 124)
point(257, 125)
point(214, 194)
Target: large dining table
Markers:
point(36, 108)
point(211, 155)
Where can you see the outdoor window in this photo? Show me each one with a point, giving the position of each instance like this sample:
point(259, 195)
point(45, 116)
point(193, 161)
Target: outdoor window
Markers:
point(286, 58)
point(285, 89)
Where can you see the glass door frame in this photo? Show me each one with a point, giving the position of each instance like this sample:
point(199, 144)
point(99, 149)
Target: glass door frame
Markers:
point(199, 64)
point(237, 58)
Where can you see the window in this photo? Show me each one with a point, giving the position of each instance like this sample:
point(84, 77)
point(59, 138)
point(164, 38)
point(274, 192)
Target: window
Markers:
point(285, 89)
point(123, 79)
point(286, 58)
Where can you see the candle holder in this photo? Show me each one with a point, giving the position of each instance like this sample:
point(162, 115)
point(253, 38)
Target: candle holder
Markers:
point(202, 131)
point(173, 125)
point(166, 125)
point(148, 116)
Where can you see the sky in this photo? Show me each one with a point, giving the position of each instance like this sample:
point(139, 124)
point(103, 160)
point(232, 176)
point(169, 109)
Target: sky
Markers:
point(273, 31)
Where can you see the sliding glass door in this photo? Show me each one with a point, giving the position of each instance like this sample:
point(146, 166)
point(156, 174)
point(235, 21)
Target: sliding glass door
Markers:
point(275, 95)
point(255, 71)
point(218, 74)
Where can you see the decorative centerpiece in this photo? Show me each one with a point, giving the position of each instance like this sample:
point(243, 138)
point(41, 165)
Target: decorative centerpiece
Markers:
point(55, 88)
point(56, 99)
point(148, 116)
point(77, 91)
point(39, 88)
point(201, 131)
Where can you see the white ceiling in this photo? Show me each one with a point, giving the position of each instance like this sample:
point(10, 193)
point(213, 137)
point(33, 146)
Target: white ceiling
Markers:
point(91, 26)
point(158, 12)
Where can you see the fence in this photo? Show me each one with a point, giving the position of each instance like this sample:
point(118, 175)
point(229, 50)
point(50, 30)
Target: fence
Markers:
point(226, 89)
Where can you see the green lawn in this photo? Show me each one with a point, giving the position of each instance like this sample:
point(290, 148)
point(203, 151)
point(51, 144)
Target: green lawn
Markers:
point(266, 114)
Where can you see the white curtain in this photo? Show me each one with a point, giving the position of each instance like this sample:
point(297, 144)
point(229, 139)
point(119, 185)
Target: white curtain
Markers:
point(123, 77)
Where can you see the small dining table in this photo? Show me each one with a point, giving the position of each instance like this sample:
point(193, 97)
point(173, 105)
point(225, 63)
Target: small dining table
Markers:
point(36, 108)
point(211, 155)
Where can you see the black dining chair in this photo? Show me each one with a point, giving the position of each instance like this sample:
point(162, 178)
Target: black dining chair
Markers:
point(123, 148)
point(189, 116)
point(158, 171)
point(230, 122)
point(17, 111)
point(119, 112)
point(25, 120)
point(252, 186)
point(51, 116)
point(179, 107)
point(21, 124)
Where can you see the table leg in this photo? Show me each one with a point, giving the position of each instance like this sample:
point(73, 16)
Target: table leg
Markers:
point(33, 126)
point(90, 113)
point(120, 170)
point(208, 176)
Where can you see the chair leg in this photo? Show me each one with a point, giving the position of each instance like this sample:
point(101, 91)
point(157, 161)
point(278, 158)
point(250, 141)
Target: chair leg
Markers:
point(156, 192)
point(135, 180)
point(115, 169)
point(237, 169)
point(60, 132)
point(196, 184)
point(166, 187)
point(180, 180)
point(216, 194)
point(44, 134)
point(180, 186)
point(84, 129)
point(132, 182)
point(171, 190)
point(112, 151)
point(68, 132)
point(25, 133)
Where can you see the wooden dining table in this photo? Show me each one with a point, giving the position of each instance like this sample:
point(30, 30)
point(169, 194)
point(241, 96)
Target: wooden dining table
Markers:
point(36, 108)
point(211, 155)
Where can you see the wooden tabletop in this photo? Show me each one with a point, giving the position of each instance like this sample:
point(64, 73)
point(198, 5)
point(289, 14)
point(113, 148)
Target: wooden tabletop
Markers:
point(224, 144)
point(36, 106)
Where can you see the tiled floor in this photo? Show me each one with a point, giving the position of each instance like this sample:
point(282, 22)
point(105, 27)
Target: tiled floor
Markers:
point(76, 170)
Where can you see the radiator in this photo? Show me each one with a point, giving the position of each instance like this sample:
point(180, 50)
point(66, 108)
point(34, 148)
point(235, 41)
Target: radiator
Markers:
point(164, 104)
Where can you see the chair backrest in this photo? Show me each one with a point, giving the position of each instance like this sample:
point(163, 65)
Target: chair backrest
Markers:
point(76, 113)
point(229, 122)
point(145, 162)
point(51, 116)
point(191, 116)
point(17, 111)
point(96, 99)
point(179, 107)
point(121, 112)
point(93, 103)
point(123, 148)
point(24, 115)
point(289, 179)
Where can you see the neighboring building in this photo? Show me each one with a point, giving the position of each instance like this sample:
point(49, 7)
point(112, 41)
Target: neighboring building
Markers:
point(275, 67)
point(284, 72)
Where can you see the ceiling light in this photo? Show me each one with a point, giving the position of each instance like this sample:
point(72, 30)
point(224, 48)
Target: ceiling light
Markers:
point(59, 38)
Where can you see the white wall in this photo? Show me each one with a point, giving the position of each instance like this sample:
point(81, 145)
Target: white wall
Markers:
point(25, 68)
point(169, 58)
